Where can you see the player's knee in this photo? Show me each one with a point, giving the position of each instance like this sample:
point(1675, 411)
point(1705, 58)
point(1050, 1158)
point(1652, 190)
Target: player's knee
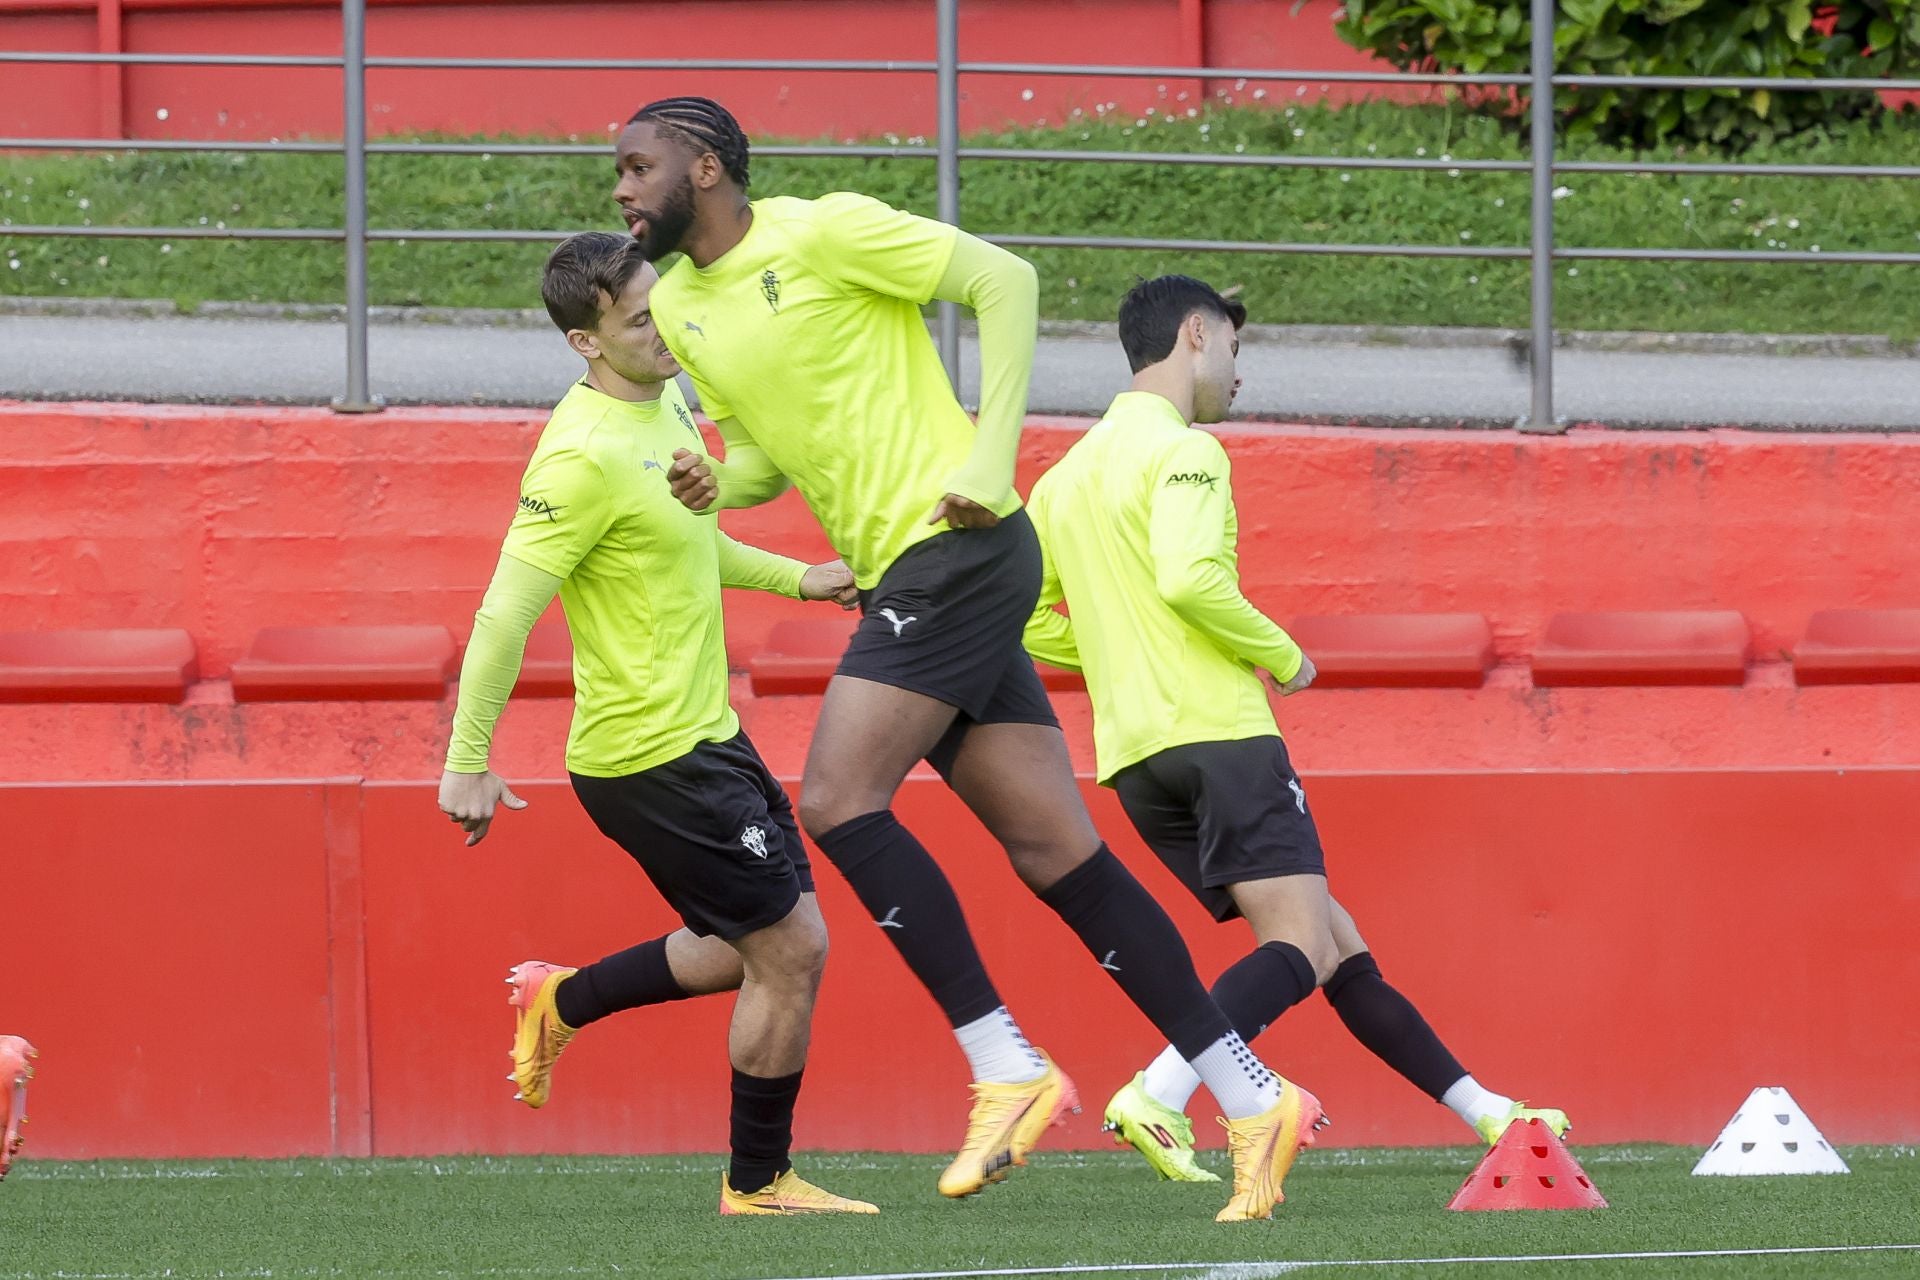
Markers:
point(824, 807)
point(1322, 954)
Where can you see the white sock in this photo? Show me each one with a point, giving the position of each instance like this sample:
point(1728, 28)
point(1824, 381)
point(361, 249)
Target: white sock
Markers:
point(1169, 1081)
point(1472, 1103)
point(997, 1052)
point(1239, 1082)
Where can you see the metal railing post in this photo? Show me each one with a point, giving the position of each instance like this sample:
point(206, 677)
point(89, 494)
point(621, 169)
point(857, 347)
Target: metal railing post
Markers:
point(947, 90)
point(1540, 115)
point(353, 28)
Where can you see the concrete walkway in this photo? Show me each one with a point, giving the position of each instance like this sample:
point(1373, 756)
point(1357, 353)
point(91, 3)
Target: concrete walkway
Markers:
point(1434, 377)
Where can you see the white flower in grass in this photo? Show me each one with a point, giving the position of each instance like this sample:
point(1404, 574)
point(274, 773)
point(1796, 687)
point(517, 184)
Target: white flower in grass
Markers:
point(1813, 248)
point(1258, 94)
point(1346, 177)
point(1420, 151)
point(1793, 224)
point(13, 264)
point(166, 248)
point(1239, 146)
point(1499, 202)
point(1561, 193)
point(1466, 235)
point(1686, 202)
point(100, 261)
point(1473, 279)
point(1299, 133)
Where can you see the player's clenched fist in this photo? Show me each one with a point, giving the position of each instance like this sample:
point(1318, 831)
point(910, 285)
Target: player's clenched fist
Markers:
point(692, 481)
point(830, 581)
point(470, 799)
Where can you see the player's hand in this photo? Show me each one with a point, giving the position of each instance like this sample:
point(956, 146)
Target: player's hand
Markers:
point(470, 800)
point(692, 480)
point(962, 513)
point(1301, 678)
point(830, 581)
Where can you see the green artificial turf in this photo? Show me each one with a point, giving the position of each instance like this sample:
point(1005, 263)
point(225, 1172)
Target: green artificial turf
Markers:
point(574, 1216)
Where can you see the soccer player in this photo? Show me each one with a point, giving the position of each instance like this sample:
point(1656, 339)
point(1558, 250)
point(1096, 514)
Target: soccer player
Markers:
point(799, 322)
point(16, 1068)
point(657, 756)
point(1138, 524)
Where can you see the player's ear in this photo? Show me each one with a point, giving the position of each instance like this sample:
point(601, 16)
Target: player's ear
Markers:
point(1194, 330)
point(584, 344)
point(707, 171)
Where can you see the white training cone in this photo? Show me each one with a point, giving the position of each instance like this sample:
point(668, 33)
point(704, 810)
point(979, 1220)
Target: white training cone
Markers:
point(1770, 1134)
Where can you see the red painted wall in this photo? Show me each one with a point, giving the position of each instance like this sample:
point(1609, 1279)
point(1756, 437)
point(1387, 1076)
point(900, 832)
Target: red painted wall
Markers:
point(218, 102)
point(1576, 937)
point(224, 521)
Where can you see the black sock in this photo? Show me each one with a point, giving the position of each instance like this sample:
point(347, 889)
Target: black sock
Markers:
point(908, 896)
point(625, 980)
point(1260, 986)
point(762, 1129)
point(1390, 1027)
point(1134, 940)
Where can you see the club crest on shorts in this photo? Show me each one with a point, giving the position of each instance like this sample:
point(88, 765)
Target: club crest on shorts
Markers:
point(755, 841)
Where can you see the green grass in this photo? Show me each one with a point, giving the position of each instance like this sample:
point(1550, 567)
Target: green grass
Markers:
point(1123, 199)
point(655, 1217)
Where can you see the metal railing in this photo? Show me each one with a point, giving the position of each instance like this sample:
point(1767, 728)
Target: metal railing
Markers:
point(947, 154)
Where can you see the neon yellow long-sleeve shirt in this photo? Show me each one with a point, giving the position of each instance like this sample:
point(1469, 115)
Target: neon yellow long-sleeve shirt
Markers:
point(1138, 526)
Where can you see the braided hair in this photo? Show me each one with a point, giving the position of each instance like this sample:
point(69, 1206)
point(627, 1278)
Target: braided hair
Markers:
point(701, 125)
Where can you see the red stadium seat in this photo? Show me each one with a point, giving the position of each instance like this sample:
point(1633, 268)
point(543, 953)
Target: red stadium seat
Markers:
point(1397, 650)
point(96, 666)
point(1859, 646)
point(547, 669)
point(1673, 647)
point(800, 655)
point(289, 664)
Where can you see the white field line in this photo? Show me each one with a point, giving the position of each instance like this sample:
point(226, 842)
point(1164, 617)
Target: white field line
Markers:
point(1262, 1270)
point(1187, 1270)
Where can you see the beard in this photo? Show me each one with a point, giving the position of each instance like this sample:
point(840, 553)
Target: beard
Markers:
point(667, 228)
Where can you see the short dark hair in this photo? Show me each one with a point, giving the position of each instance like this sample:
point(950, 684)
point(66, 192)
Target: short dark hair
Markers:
point(701, 125)
point(581, 269)
point(1153, 311)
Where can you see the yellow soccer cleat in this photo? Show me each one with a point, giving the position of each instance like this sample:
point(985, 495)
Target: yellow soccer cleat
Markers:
point(16, 1068)
point(788, 1193)
point(1158, 1132)
point(1491, 1127)
point(1004, 1125)
point(1264, 1148)
point(539, 1036)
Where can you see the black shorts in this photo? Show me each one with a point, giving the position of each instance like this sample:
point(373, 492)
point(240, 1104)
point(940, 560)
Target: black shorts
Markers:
point(714, 832)
point(1223, 813)
point(946, 620)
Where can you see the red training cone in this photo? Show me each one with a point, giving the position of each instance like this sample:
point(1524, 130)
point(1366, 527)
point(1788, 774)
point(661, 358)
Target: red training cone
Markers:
point(1528, 1169)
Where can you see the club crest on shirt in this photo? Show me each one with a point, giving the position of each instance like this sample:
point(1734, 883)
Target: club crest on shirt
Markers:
point(540, 507)
point(770, 289)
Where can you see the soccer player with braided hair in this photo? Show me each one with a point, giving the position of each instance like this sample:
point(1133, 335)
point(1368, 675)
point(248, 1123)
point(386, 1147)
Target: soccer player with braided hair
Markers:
point(799, 322)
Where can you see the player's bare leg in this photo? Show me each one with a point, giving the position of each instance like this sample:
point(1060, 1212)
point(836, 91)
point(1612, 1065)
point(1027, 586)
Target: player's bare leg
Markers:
point(868, 736)
point(1018, 779)
point(767, 1045)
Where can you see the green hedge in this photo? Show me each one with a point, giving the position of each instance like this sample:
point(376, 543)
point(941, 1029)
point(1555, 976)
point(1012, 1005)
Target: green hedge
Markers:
point(1776, 39)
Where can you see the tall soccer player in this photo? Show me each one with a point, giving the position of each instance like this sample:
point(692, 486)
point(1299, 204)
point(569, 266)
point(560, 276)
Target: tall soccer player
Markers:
point(799, 321)
point(657, 756)
point(1138, 524)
